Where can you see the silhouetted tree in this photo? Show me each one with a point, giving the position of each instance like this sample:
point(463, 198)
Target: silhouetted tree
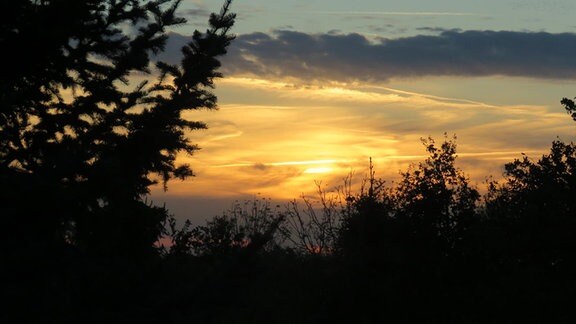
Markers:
point(80, 142)
point(366, 218)
point(315, 228)
point(246, 228)
point(570, 107)
point(528, 239)
point(535, 205)
point(433, 202)
point(88, 122)
point(436, 197)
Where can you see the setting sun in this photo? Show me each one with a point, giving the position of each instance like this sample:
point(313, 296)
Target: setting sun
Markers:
point(318, 170)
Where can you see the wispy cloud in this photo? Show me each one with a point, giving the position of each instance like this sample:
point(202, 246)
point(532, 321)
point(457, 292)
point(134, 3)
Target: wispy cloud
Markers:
point(393, 13)
point(433, 97)
point(349, 93)
point(321, 132)
point(284, 163)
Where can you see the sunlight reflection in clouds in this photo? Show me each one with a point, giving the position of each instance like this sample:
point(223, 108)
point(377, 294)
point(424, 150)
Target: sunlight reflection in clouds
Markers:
point(276, 138)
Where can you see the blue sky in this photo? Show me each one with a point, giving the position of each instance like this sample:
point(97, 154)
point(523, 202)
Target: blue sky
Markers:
point(313, 89)
point(401, 17)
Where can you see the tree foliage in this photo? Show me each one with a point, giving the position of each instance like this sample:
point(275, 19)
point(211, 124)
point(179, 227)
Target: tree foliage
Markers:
point(433, 204)
point(313, 227)
point(570, 107)
point(251, 227)
point(535, 206)
point(81, 136)
point(436, 196)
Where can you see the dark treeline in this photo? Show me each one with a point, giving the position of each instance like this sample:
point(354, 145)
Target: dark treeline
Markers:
point(79, 150)
point(427, 249)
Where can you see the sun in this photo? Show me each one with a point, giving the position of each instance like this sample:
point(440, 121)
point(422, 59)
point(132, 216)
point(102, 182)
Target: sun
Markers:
point(318, 170)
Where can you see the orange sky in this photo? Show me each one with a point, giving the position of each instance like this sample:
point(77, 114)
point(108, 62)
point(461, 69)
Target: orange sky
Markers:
point(274, 139)
point(313, 89)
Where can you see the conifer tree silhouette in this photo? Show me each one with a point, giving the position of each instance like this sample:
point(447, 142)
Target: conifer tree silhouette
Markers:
point(80, 141)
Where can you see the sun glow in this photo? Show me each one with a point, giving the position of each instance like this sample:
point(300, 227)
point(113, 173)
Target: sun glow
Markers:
point(276, 139)
point(318, 170)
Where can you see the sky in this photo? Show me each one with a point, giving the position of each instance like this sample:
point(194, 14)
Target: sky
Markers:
point(314, 89)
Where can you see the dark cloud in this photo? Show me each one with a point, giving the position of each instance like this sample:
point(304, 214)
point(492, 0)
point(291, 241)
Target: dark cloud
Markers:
point(353, 56)
point(438, 29)
point(173, 50)
point(260, 166)
point(387, 28)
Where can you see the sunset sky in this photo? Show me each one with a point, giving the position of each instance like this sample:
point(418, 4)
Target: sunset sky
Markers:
point(314, 88)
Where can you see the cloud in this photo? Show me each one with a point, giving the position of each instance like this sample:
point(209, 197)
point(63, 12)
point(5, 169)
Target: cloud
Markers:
point(355, 57)
point(438, 29)
point(392, 13)
point(260, 166)
point(451, 53)
point(281, 151)
point(276, 137)
point(197, 13)
point(321, 133)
